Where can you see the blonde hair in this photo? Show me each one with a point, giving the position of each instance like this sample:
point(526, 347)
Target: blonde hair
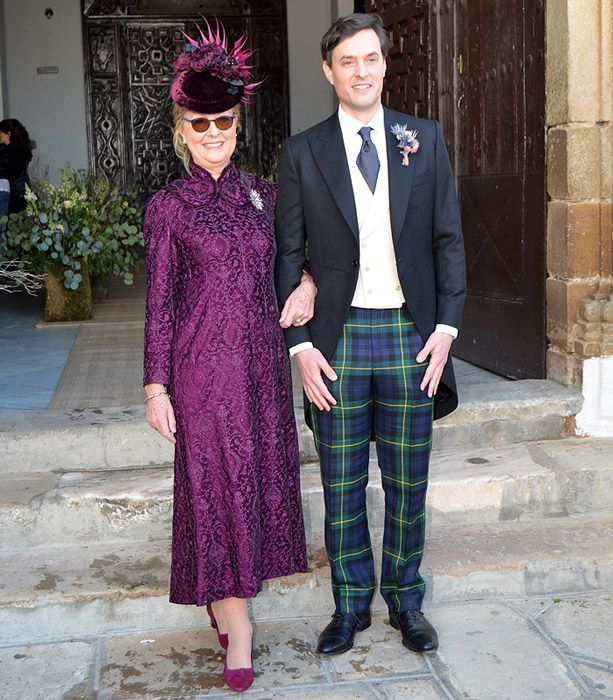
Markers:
point(178, 141)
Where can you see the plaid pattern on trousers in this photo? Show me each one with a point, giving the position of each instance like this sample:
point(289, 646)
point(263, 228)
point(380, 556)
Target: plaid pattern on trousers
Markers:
point(378, 385)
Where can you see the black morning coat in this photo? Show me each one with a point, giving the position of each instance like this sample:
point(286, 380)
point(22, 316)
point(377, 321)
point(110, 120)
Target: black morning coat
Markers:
point(315, 205)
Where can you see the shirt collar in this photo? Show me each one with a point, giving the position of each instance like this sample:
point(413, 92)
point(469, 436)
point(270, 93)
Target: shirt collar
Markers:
point(351, 126)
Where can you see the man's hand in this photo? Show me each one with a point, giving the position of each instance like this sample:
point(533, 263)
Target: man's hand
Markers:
point(300, 304)
point(311, 364)
point(437, 347)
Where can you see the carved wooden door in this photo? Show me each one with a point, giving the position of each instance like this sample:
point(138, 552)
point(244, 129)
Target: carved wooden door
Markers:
point(478, 66)
point(500, 169)
point(130, 46)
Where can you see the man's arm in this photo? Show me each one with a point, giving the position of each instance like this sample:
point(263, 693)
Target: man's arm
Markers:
point(448, 244)
point(448, 247)
point(291, 238)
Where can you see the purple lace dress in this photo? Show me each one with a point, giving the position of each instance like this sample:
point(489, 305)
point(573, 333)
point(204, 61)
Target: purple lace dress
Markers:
point(212, 335)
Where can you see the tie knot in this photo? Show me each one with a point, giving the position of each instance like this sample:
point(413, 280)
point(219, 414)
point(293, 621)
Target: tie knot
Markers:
point(365, 133)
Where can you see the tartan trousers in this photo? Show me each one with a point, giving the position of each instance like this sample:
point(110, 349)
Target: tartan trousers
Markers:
point(377, 387)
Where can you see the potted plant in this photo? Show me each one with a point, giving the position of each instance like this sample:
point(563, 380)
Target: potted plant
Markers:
point(79, 227)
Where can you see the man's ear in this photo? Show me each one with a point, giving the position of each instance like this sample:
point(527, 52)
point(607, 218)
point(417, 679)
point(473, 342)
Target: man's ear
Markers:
point(328, 72)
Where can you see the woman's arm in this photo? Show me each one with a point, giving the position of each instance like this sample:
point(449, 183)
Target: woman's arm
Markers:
point(159, 318)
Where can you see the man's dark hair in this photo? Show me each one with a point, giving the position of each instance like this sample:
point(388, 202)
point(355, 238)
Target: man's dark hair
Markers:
point(345, 27)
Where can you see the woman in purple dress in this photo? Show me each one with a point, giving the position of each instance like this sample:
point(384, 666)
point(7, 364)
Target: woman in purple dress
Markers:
point(217, 374)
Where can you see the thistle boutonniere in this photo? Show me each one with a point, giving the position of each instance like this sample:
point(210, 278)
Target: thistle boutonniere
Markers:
point(256, 200)
point(407, 141)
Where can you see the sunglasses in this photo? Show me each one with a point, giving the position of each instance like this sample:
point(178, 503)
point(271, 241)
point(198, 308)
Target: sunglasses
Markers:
point(202, 124)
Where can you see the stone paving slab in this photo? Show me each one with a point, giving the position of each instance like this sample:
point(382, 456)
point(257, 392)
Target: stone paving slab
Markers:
point(598, 678)
point(488, 651)
point(411, 689)
point(584, 627)
point(47, 672)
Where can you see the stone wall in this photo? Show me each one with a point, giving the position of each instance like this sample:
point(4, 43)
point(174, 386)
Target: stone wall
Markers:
point(579, 183)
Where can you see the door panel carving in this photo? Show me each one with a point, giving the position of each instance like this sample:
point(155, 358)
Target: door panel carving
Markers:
point(130, 48)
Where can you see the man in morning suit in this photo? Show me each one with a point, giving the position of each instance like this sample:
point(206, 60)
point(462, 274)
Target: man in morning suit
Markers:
point(378, 215)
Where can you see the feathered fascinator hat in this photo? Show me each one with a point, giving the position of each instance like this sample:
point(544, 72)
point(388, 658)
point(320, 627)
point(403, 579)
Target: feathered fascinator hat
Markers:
point(211, 78)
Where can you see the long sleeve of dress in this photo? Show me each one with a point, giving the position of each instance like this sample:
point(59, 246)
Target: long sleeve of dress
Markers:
point(161, 269)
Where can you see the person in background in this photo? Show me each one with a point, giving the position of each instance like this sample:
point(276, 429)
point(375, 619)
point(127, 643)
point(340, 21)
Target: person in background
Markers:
point(216, 370)
point(15, 157)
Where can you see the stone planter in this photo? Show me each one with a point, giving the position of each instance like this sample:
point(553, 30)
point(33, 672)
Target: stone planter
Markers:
point(66, 304)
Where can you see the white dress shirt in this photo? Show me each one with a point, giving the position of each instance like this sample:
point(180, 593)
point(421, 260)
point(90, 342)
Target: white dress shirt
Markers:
point(378, 285)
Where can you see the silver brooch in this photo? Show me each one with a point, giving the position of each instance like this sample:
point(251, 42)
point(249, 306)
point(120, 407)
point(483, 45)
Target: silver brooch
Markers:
point(256, 200)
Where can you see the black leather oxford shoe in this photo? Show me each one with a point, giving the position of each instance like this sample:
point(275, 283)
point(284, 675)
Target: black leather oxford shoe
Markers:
point(338, 636)
point(417, 633)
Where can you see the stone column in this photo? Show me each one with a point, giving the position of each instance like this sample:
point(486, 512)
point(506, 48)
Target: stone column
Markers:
point(579, 183)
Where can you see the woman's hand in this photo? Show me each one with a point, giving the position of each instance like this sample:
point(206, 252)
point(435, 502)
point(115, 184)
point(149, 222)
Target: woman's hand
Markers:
point(160, 414)
point(300, 304)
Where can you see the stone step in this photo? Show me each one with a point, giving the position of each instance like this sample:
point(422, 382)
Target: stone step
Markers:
point(80, 591)
point(119, 438)
point(480, 485)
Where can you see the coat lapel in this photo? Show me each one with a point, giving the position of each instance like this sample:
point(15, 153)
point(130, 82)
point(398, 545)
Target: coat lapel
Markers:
point(329, 153)
point(400, 176)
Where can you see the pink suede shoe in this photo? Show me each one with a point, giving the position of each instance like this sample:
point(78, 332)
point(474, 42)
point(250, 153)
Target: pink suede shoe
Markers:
point(238, 679)
point(223, 638)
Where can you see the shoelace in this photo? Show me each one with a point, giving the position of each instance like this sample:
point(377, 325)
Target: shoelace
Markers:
point(338, 616)
point(413, 615)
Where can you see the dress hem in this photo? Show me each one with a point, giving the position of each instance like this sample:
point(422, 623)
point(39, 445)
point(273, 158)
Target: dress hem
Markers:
point(244, 593)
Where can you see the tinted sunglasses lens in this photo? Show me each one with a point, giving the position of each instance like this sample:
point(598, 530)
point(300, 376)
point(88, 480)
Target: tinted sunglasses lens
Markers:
point(223, 123)
point(200, 125)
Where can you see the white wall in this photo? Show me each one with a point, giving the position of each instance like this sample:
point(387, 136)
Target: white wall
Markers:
point(311, 96)
point(52, 107)
point(343, 8)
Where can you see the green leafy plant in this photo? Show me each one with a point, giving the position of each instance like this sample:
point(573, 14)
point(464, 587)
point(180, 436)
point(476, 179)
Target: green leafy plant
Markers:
point(81, 222)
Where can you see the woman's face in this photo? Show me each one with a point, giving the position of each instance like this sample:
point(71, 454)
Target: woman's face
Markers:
point(213, 148)
point(5, 138)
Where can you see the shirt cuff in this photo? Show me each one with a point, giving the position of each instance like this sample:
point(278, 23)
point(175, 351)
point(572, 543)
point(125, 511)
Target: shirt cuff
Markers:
point(301, 346)
point(443, 328)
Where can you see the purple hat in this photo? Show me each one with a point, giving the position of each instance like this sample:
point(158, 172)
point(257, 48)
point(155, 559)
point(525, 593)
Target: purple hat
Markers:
point(212, 79)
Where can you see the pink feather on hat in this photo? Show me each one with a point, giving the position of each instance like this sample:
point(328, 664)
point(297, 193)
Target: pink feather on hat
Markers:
point(211, 78)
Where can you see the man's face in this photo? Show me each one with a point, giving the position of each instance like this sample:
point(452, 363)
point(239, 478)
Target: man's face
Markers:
point(357, 73)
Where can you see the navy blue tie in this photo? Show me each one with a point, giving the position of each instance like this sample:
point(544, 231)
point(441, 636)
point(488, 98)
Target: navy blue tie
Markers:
point(368, 160)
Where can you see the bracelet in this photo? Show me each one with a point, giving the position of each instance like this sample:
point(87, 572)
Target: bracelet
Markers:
point(158, 393)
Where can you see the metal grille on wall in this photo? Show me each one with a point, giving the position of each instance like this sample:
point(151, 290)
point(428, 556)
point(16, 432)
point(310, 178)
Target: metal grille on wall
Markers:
point(130, 46)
